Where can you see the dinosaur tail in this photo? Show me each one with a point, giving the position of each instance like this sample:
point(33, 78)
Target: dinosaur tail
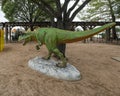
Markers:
point(78, 36)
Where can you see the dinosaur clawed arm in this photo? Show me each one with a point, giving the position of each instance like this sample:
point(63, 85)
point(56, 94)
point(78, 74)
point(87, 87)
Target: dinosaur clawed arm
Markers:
point(39, 44)
point(37, 47)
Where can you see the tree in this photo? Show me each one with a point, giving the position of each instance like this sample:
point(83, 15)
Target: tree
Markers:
point(61, 12)
point(22, 10)
point(8, 9)
point(117, 8)
point(102, 10)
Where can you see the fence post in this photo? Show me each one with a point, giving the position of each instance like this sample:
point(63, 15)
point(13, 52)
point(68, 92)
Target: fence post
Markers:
point(107, 35)
point(1, 39)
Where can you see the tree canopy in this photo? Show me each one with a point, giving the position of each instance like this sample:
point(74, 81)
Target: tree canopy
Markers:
point(101, 10)
point(22, 10)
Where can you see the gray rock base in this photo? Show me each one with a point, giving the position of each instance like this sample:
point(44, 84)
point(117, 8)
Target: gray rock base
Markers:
point(49, 68)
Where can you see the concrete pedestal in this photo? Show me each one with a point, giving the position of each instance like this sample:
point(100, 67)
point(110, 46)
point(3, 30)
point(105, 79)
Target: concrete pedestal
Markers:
point(49, 68)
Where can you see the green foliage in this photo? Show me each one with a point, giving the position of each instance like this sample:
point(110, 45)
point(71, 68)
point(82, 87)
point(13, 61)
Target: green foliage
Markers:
point(117, 8)
point(8, 8)
point(101, 10)
point(22, 10)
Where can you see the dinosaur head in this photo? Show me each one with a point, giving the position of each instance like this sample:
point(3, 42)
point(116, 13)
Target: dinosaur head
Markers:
point(27, 37)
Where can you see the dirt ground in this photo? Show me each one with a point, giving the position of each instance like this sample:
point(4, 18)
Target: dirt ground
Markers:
point(100, 74)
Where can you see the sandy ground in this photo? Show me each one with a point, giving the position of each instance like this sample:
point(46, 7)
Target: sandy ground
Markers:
point(100, 73)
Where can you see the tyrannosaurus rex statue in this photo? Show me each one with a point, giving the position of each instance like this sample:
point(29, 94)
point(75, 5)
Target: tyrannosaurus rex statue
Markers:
point(51, 37)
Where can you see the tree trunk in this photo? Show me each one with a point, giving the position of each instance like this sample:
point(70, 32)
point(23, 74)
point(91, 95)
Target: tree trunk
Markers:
point(114, 35)
point(65, 25)
point(31, 27)
point(107, 37)
point(61, 47)
point(59, 24)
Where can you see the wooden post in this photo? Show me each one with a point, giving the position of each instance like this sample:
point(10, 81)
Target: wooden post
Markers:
point(107, 35)
point(6, 33)
point(84, 41)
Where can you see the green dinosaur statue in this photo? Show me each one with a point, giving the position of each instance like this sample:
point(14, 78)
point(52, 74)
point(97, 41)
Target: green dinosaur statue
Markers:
point(51, 37)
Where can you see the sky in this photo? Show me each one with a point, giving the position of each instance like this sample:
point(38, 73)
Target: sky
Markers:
point(2, 18)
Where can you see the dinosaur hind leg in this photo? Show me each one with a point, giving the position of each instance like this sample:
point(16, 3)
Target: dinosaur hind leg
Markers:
point(48, 56)
point(62, 58)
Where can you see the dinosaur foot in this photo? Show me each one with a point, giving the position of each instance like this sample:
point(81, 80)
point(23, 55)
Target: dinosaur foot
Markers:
point(46, 58)
point(61, 65)
point(58, 58)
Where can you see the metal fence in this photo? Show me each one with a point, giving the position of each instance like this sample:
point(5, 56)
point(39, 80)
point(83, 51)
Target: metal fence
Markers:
point(100, 38)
